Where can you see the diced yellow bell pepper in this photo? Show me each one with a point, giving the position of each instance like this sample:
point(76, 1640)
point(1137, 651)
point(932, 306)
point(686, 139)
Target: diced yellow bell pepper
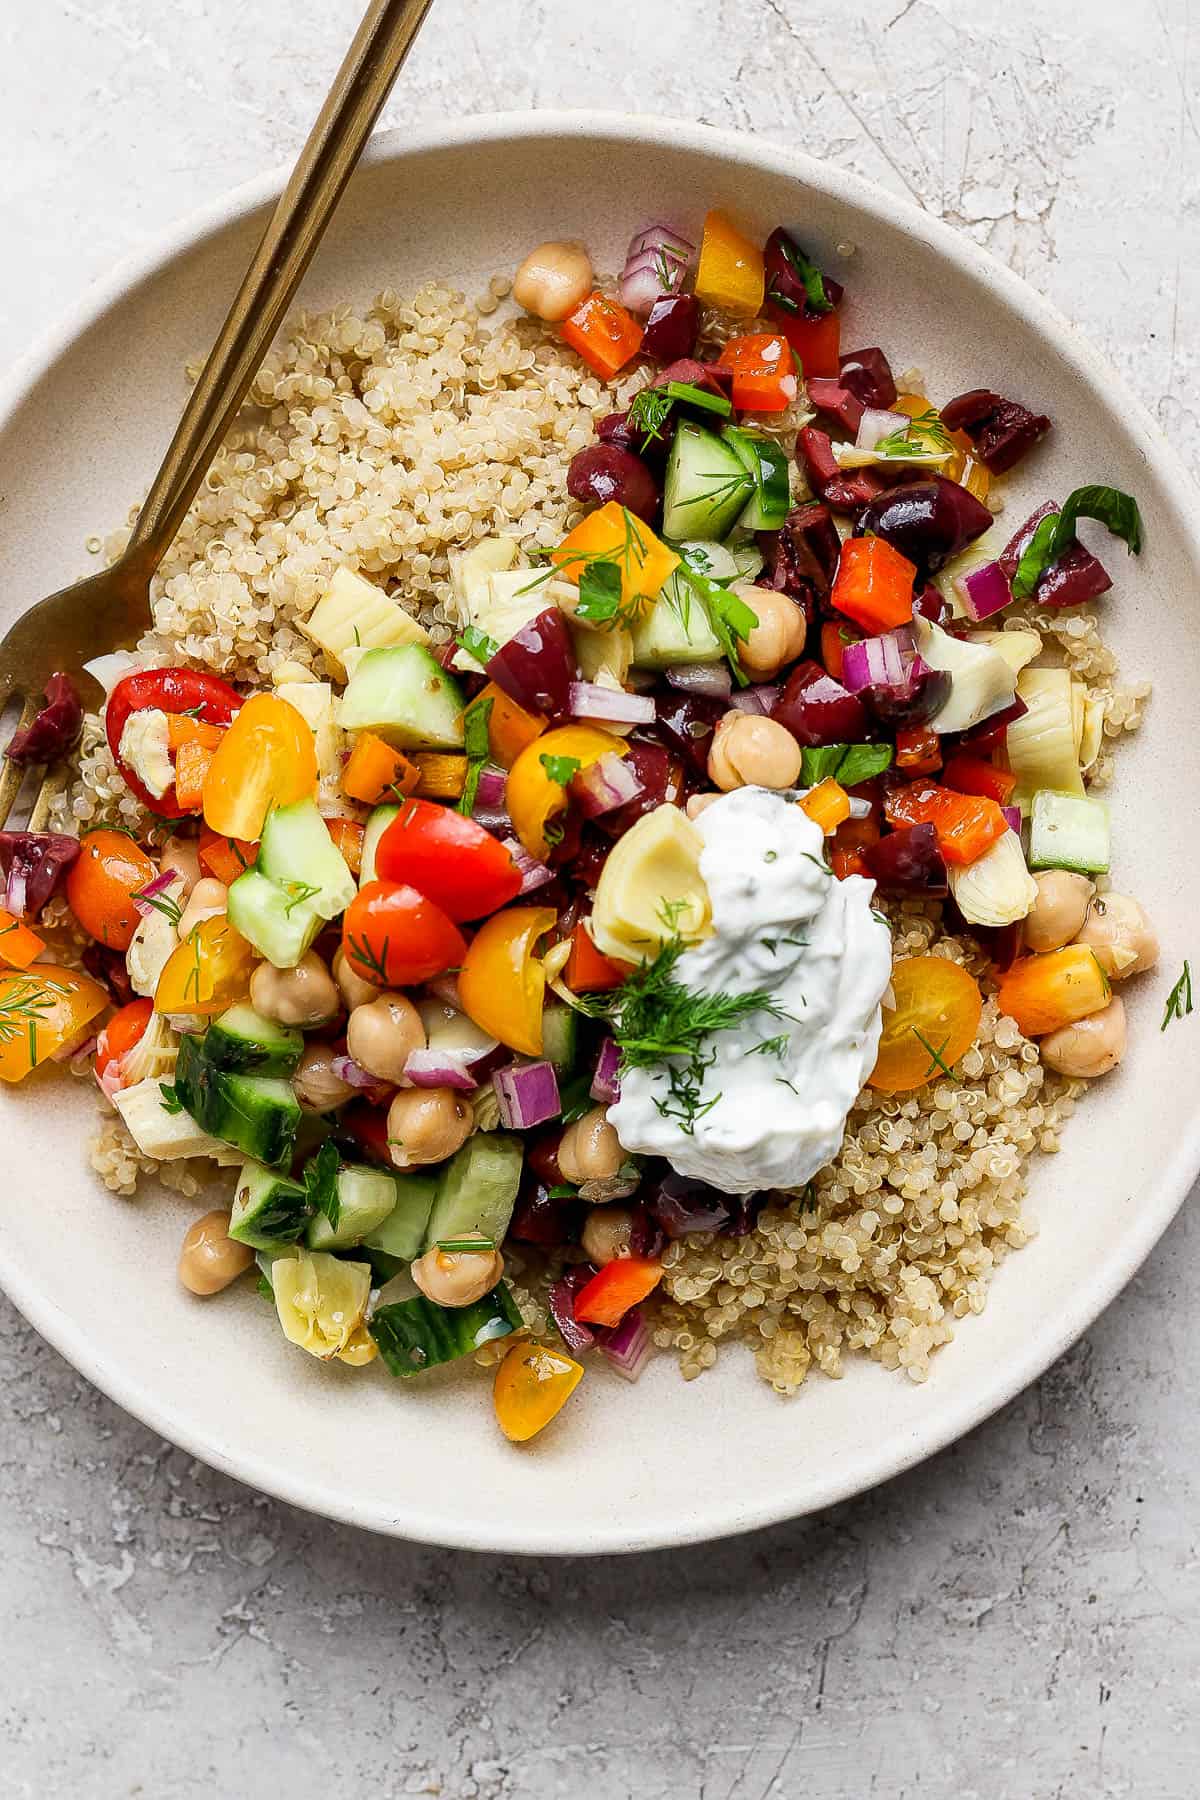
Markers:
point(731, 272)
point(613, 534)
point(533, 1384)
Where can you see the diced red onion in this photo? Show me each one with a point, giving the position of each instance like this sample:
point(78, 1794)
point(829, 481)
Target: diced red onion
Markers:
point(759, 697)
point(881, 661)
point(604, 785)
point(859, 809)
point(144, 897)
point(588, 700)
point(107, 670)
point(496, 819)
point(187, 1024)
point(1013, 815)
point(534, 874)
point(528, 1094)
point(656, 264)
point(713, 679)
point(627, 1346)
point(492, 784)
point(606, 1082)
point(355, 1076)
point(85, 1042)
point(662, 237)
point(445, 987)
point(574, 1333)
point(984, 591)
point(876, 424)
point(438, 1068)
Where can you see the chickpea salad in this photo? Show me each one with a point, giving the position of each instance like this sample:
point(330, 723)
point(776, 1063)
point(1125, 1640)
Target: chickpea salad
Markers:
point(569, 941)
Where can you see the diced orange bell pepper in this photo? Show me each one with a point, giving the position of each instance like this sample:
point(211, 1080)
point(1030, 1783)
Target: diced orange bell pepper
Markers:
point(533, 1383)
point(441, 774)
point(183, 729)
point(267, 758)
point(18, 945)
point(225, 858)
point(918, 750)
point(614, 534)
point(817, 341)
point(348, 835)
point(608, 1296)
point(827, 805)
point(851, 838)
point(44, 1007)
point(588, 971)
point(1041, 993)
point(510, 727)
point(966, 824)
point(972, 775)
point(731, 273)
point(375, 770)
point(834, 638)
point(874, 584)
point(604, 334)
point(764, 376)
point(192, 762)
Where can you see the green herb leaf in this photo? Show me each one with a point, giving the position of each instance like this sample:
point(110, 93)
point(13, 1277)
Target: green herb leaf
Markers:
point(320, 1183)
point(1056, 532)
point(263, 1287)
point(170, 1101)
point(936, 1059)
point(1179, 1000)
point(563, 1191)
point(299, 892)
point(648, 412)
point(701, 397)
point(776, 1046)
point(560, 768)
point(862, 762)
point(732, 620)
point(477, 643)
point(477, 744)
point(162, 903)
point(599, 593)
point(818, 762)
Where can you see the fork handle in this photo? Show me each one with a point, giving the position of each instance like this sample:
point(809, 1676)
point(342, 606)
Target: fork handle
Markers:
point(295, 229)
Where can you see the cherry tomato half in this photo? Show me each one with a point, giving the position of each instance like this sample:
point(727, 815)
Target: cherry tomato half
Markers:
point(173, 691)
point(126, 1028)
point(108, 871)
point(933, 1021)
point(42, 1008)
point(448, 858)
point(396, 937)
point(267, 758)
point(502, 985)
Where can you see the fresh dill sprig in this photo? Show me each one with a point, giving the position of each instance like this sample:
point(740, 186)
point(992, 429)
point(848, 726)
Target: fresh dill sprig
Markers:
point(648, 412)
point(776, 1046)
point(298, 893)
point(372, 963)
point(163, 903)
point(937, 1060)
point(1179, 1000)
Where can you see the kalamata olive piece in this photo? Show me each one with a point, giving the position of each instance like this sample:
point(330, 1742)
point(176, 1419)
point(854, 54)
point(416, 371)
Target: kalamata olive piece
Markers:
point(687, 722)
point(783, 281)
point(816, 709)
point(539, 1219)
point(928, 521)
point(1072, 578)
point(843, 489)
point(984, 737)
point(672, 328)
point(1002, 431)
point(908, 862)
point(837, 402)
point(931, 603)
point(713, 378)
point(683, 1206)
point(868, 374)
point(605, 472)
point(658, 773)
point(537, 666)
point(913, 701)
point(615, 428)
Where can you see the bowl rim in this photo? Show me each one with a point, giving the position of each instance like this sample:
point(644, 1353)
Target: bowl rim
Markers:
point(957, 1414)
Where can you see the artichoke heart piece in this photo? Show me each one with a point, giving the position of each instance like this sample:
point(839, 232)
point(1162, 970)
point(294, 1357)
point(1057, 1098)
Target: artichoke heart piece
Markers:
point(651, 889)
point(320, 1300)
point(997, 889)
point(1042, 746)
point(983, 681)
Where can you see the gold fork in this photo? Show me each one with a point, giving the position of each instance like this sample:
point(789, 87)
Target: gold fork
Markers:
point(110, 610)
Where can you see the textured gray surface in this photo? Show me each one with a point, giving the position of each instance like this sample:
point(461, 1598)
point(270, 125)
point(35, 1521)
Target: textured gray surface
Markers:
point(1018, 1619)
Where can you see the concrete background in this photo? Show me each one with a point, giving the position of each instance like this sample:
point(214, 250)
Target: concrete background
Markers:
point(1017, 1620)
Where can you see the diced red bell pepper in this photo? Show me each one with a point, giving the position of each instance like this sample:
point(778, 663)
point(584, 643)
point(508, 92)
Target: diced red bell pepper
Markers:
point(588, 971)
point(608, 1296)
point(604, 334)
point(849, 841)
point(874, 584)
point(918, 750)
point(971, 775)
point(764, 376)
point(834, 638)
point(966, 824)
point(816, 341)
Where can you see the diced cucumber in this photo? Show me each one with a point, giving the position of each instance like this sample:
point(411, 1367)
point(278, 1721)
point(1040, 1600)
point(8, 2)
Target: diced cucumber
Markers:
point(402, 1234)
point(767, 464)
point(266, 1258)
point(269, 1211)
point(366, 1197)
point(477, 1190)
point(242, 1040)
point(279, 926)
point(406, 697)
point(377, 824)
point(256, 1113)
point(414, 1335)
point(560, 1034)
point(707, 485)
point(675, 630)
point(298, 855)
point(1067, 832)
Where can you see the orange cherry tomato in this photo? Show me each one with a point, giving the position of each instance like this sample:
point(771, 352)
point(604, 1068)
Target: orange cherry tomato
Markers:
point(109, 870)
point(533, 1384)
point(533, 797)
point(501, 984)
point(933, 1022)
point(394, 936)
point(126, 1028)
point(209, 971)
point(267, 758)
point(41, 1009)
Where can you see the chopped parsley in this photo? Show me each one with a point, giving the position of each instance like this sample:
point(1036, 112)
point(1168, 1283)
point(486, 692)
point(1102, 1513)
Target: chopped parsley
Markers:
point(560, 768)
point(477, 643)
point(1056, 532)
point(320, 1183)
point(170, 1101)
point(477, 744)
point(732, 620)
point(807, 273)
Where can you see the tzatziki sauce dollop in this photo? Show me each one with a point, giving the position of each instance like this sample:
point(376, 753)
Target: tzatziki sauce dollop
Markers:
point(780, 1087)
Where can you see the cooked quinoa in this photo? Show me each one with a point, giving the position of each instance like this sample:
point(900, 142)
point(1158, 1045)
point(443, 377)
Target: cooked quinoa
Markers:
point(382, 441)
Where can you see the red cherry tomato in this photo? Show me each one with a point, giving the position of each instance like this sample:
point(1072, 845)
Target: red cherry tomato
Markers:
point(397, 937)
point(170, 691)
point(448, 858)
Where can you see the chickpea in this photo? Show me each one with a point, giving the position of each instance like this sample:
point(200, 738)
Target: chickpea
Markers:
point(207, 899)
point(318, 1089)
point(303, 996)
point(210, 1259)
point(355, 991)
point(553, 280)
point(1059, 910)
point(750, 751)
point(426, 1125)
point(699, 803)
point(1120, 934)
point(382, 1035)
point(779, 636)
point(1090, 1046)
point(589, 1149)
point(458, 1277)
point(607, 1233)
point(182, 857)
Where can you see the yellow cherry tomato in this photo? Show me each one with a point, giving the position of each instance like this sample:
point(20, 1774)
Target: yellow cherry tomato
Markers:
point(41, 1009)
point(533, 797)
point(267, 758)
point(209, 971)
point(532, 1386)
point(932, 1023)
point(501, 984)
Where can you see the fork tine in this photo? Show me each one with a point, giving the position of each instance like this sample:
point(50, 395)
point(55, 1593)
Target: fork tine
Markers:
point(45, 797)
point(13, 774)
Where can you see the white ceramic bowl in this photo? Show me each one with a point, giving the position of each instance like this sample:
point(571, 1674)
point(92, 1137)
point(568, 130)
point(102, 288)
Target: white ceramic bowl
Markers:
point(82, 422)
